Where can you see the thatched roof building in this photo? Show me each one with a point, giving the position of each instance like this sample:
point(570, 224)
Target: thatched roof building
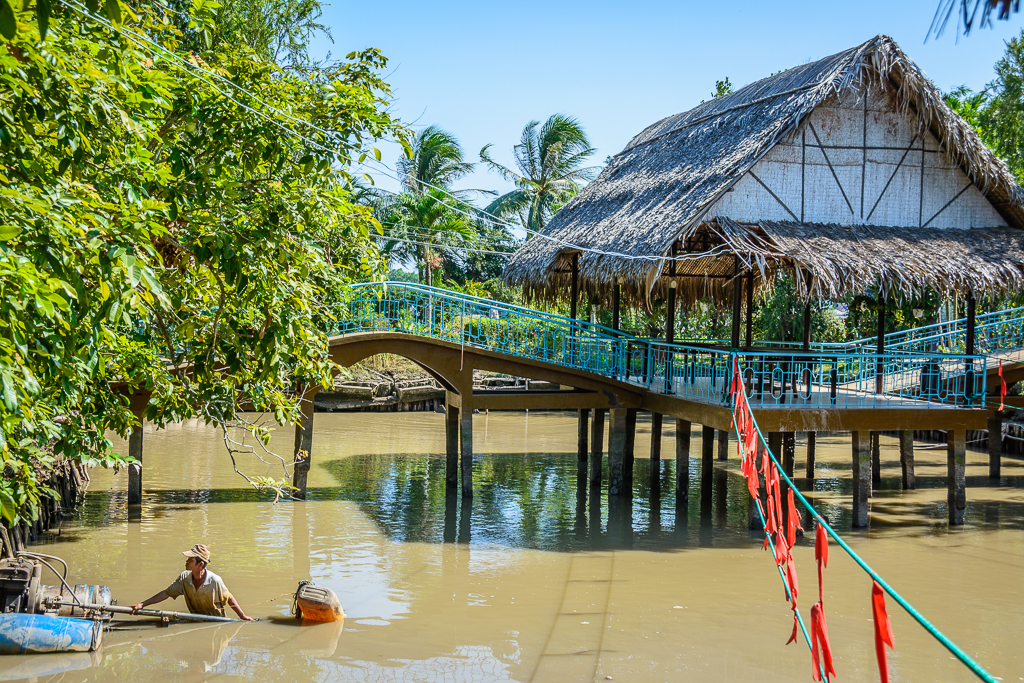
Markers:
point(848, 171)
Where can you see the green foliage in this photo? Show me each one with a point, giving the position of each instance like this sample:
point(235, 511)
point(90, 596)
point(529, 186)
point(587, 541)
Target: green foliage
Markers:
point(550, 159)
point(436, 160)
point(158, 237)
point(722, 88)
point(779, 316)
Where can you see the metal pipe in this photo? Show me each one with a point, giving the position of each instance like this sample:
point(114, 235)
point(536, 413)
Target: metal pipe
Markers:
point(118, 609)
point(574, 286)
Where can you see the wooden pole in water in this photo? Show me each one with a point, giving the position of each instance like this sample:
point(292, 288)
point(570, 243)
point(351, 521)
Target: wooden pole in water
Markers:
point(683, 430)
point(466, 431)
point(812, 439)
point(995, 443)
point(596, 446)
point(861, 477)
point(303, 443)
point(956, 482)
point(137, 404)
point(907, 459)
point(616, 452)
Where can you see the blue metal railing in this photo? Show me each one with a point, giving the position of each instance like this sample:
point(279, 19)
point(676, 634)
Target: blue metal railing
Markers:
point(837, 375)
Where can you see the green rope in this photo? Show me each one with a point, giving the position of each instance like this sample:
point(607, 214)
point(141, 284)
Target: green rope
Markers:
point(928, 626)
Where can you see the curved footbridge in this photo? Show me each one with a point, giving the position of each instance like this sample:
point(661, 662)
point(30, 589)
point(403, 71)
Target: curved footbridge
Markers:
point(921, 382)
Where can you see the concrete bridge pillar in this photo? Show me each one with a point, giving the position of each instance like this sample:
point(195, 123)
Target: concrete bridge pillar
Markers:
point(617, 433)
point(956, 482)
point(723, 444)
point(995, 444)
point(596, 446)
point(907, 459)
point(466, 439)
point(581, 434)
point(861, 477)
point(683, 430)
point(657, 419)
point(630, 448)
point(451, 437)
point(812, 439)
point(707, 449)
point(876, 460)
point(303, 444)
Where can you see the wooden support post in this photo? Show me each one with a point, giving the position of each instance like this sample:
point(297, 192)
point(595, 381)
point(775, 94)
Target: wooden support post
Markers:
point(737, 302)
point(788, 453)
point(617, 452)
point(880, 343)
point(596, 446)
point(907, 459)
point(656, 422)
point(995, 444)
point(451, 437)
point(812, 440)
point(723, 444)
point(466, 429)
point(707, 448)
point(581, 434)
point(670, 315)
point(969, 343)
point(956, 482)
point(861, 477)
point(574, 286)
point(750, 308)
point(630, 447)
point(876, 461)
point(683, 428)
point(807, 327)
point(616, 302)
point(303, 445)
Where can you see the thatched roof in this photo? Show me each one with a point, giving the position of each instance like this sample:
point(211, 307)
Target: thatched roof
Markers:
point(656, 193)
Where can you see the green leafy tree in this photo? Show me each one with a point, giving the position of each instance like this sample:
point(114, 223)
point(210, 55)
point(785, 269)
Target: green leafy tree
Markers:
point(550, 159)
point(157, 237)
point(423, 227)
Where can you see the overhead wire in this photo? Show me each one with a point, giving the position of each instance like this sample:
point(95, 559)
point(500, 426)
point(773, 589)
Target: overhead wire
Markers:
point(192, 68)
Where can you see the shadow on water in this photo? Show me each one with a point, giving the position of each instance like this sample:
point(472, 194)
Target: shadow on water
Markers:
point(544, 501)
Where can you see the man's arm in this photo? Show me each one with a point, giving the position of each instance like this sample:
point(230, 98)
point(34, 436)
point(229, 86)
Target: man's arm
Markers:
point(159, 597)
point(233, 604)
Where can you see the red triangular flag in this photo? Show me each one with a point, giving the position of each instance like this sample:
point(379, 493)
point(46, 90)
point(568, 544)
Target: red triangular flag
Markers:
point(1002, 388)
point(883, 630)
point(794, 519)
point(819, 639)
point(794, 584)
point(796, 624)
point(821, 555)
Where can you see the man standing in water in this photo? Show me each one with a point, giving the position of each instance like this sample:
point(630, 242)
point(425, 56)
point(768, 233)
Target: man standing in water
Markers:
point(204, 591)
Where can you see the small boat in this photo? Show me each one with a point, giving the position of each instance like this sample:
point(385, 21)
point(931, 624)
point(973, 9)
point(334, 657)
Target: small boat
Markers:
point(316, 603)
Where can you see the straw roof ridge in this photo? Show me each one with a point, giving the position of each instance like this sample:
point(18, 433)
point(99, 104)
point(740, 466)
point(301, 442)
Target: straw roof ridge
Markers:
point(659, 188)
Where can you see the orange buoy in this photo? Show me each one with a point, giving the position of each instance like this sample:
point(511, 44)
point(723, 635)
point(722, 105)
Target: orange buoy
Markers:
point(316, 603)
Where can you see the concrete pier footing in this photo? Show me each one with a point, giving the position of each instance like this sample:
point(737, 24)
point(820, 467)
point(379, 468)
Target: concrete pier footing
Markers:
point(861, 442)
point(683, 432)
point(907, 459)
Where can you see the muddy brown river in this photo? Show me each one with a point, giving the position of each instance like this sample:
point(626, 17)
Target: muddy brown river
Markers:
point(533, 581)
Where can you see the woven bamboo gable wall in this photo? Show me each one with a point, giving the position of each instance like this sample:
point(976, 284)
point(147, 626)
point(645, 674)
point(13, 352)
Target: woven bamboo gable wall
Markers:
point(858, 160)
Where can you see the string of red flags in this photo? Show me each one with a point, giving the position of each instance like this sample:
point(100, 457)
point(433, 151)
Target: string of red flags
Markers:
point(782, 521)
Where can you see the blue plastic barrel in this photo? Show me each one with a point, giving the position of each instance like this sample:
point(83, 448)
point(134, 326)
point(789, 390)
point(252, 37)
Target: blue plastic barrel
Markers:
point(35, 633)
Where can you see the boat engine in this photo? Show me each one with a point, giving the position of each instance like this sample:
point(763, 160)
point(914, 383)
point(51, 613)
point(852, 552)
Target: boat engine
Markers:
point(23, 591)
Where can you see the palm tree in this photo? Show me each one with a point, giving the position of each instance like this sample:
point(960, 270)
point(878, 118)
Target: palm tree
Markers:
point(436, 161)
point(550, 159)
point(422, 226)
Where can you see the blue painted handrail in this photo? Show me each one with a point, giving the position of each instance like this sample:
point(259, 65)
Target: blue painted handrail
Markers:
point(848, 375)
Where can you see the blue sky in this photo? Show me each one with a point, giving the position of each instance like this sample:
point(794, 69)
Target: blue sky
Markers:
point(483, 70)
